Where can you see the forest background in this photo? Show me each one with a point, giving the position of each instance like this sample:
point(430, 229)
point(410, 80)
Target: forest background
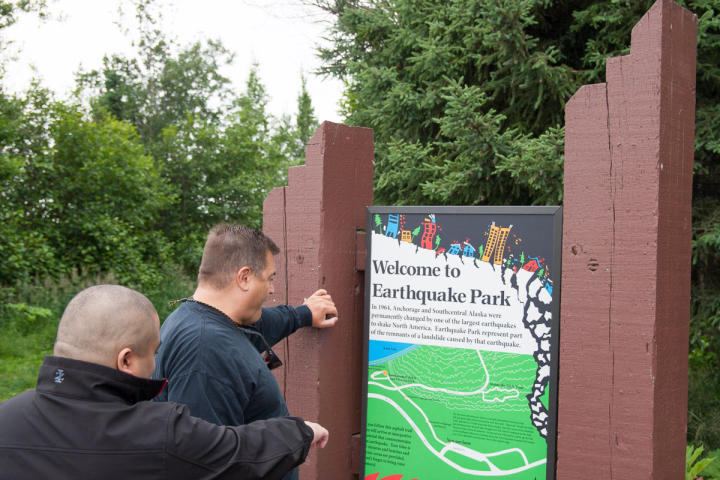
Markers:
point(120, 182)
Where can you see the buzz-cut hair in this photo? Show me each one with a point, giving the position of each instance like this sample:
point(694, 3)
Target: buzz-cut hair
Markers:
point(228, 248)
point(102, 320)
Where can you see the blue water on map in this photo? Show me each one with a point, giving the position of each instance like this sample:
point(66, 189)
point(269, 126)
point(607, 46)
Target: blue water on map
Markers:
point(380, 352)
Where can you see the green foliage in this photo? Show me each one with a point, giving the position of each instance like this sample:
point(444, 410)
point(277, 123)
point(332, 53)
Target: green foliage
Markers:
point(465, 98)
point(9, 10)
point(27, 333)
point(712, 470)
point(704, 405)
point(220, 171)
point(121, 184)
point(27, 329)
point(298, 135)
point(76, 193)
point(160, 89)
point(219, 152)
point(22, 318)
point(693, 463)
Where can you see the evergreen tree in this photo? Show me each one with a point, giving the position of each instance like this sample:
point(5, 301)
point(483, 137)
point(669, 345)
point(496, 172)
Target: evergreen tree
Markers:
point(305, 122)
point(378, 223)
point(293, 135)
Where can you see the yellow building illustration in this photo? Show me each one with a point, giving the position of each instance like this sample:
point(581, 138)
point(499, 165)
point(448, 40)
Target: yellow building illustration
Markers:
point(406, 236)
point(496, 243)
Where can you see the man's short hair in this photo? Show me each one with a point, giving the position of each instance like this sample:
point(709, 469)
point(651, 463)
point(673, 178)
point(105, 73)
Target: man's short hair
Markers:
point(102, 320)
point(230, 247)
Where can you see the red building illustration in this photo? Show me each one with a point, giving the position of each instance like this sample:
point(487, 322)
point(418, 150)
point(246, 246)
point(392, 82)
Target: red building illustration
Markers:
point(531, 266)
point(428, 235)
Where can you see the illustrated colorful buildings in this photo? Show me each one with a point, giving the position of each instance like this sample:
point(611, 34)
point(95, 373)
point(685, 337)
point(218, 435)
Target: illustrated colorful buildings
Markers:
point(496, 243)
point(392, 226)
point(532, 265)
point(430, 228)
point(467, 249)
point(454, 248)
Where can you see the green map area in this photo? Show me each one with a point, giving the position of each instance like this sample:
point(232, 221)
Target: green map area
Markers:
point(439, 413)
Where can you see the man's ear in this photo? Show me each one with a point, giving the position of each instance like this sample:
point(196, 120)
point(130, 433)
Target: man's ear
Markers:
point(243, 278)
point(124, 360)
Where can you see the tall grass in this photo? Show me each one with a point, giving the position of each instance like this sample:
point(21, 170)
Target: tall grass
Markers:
point(30, 312)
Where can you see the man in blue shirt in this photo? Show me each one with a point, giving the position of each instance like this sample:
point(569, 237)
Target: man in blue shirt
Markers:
point(212, 345)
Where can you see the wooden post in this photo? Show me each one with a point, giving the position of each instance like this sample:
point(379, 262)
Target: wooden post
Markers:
point(318, 220)
point(625, 311)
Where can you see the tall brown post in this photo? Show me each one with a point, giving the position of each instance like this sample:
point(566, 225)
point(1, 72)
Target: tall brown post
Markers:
point(318, 221)
point(626, 259)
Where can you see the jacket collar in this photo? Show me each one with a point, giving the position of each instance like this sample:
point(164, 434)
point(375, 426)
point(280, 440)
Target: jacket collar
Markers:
point(218, 315)
point(90, 381)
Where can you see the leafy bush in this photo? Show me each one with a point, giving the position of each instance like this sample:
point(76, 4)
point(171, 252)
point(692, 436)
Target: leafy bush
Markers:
point(704, 406)
point(712, 470)
point(694, 464)
point(31, 309)
point(21, 318)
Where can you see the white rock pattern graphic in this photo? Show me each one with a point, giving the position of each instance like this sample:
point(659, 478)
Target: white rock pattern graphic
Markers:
point(537, 318)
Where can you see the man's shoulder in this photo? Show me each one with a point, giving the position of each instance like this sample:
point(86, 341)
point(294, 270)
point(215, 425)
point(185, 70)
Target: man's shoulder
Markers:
point(194, 342)
point(17, 402)
point(15, 415)
point(186, 322)
point(183, 313)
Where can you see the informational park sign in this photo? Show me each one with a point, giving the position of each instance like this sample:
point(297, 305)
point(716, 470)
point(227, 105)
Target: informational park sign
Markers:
point(461, 338)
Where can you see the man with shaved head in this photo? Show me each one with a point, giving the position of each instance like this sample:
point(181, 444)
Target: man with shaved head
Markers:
point(94, 329)
point(90, 415)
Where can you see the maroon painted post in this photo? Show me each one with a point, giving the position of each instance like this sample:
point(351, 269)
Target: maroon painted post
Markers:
point(318, 221)
point(626, 259)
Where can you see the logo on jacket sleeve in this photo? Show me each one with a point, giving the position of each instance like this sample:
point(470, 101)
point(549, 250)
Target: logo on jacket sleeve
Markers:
point(59, 375)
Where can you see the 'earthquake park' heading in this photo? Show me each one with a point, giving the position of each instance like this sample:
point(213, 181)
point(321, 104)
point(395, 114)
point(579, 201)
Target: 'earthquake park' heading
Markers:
point(449, 294)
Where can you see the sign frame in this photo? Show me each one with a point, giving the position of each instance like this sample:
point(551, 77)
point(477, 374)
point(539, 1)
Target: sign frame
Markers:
point(555, 217)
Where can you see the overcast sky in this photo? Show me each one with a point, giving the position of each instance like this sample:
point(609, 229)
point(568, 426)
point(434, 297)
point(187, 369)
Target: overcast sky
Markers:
point(280, 35)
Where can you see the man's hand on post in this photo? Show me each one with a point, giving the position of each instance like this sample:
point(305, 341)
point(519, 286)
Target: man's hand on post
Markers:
point(320, 434)
point(324, 312)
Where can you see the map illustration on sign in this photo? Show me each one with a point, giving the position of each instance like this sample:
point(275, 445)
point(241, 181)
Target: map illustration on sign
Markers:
point(460, 325)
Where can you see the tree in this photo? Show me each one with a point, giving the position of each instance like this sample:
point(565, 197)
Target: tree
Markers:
point(453, 90)
point(9, 10)
point(25, 249)
point(305, 122)
point(220, 151)
point(162, 89)
point(77, 193)
point(219, 170)
point(292, 136)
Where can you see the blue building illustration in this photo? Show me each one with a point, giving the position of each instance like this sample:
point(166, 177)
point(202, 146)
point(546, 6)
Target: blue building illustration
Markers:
point(392, 226)
point(454, 248)
point(468, 250)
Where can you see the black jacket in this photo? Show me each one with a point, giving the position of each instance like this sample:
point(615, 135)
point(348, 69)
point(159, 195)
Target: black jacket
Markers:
point(86, 421)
